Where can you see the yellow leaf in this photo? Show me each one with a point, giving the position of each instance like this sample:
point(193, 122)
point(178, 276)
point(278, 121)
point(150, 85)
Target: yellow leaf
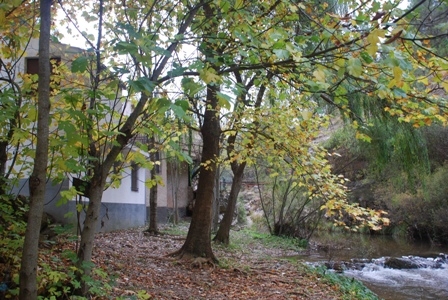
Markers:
point(363, 137)
point(293, 8)
point(238, 4)
point(425, 81)
point(306, 114)
point(445, 86)
point(397, 81)
point(373, 40)
point(319, 75)
point(382, 94)
point(209, 75)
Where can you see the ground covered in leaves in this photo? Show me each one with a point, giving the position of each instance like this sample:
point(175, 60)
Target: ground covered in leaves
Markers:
point(248, 269)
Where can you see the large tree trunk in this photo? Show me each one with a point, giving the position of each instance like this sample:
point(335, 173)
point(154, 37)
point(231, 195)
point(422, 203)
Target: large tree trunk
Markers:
point(198, 242)
point(222, 236)
point(28, 269)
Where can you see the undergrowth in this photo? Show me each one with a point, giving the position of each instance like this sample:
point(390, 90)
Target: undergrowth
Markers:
point(267, 240)
point(351, 288)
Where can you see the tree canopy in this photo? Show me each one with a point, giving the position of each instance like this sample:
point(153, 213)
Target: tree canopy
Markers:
point(259, 71)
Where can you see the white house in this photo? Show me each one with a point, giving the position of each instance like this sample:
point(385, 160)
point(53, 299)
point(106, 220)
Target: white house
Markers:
point(122, 207)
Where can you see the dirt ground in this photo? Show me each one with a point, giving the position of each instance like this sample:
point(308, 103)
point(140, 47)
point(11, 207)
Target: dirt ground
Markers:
point(256, 272)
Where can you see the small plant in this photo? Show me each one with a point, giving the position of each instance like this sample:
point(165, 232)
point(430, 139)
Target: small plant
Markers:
point(241, 215)
point(173, 229)
point(350, 287)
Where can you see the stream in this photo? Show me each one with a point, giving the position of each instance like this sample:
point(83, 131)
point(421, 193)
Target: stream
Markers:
point(393, 268)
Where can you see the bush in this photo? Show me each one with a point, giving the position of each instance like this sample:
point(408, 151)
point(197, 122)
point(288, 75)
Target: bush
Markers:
point(424, 213)
point(241, 215)
point(12, 231)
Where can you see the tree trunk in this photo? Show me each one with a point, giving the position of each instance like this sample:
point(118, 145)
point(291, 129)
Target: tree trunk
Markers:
point(153, 193)
point(153, 207)
point(3, 160)
point(97, 184)
point(175, 189)
point(28, 269)
point(216, 203)
point(198, 242)
point(222, 236)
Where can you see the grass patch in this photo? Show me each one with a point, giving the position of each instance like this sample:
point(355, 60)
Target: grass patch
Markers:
point(267, 240)
point(350, 287)
point(180, 229)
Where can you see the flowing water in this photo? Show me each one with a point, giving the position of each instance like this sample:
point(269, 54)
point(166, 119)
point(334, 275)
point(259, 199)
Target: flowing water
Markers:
point(422, 273)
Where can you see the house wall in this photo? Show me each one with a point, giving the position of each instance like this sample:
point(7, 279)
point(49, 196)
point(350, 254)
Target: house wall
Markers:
point(65, 52)
point(175, 184)
point(52, 197)
point(121, 208)
point(176, 189)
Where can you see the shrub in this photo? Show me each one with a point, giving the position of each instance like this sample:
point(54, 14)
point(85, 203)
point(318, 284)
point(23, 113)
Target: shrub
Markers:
point(12, 231)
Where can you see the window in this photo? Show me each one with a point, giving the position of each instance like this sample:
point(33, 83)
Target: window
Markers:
point(32, 67)
point(32, 64)
point(134, 177)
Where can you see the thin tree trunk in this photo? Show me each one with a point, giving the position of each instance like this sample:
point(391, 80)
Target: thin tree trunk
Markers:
point(216, 202)
point(175, 189)
point(153, 193)
point(3, 160)
point(222, 236)
point(28, 269)
point(97, 184)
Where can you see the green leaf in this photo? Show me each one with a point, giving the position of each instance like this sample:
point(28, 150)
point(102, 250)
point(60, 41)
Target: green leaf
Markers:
point(183, 103)
point(163, 104)
point(80, 64)
point(399, 93)
point(178, 111)
point(223, 100)
point(191, 87)
point(142, 84)
point(366, 57)
point(354, 67)
point(126, 48)
point(281, 53)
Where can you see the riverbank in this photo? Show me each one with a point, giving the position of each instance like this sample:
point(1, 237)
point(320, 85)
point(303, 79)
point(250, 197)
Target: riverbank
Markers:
point(252, 267)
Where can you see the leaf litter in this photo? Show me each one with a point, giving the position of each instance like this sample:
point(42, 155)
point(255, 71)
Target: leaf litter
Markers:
point(139, 262)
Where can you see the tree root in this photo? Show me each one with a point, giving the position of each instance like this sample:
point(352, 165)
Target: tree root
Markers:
point(191, 259)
